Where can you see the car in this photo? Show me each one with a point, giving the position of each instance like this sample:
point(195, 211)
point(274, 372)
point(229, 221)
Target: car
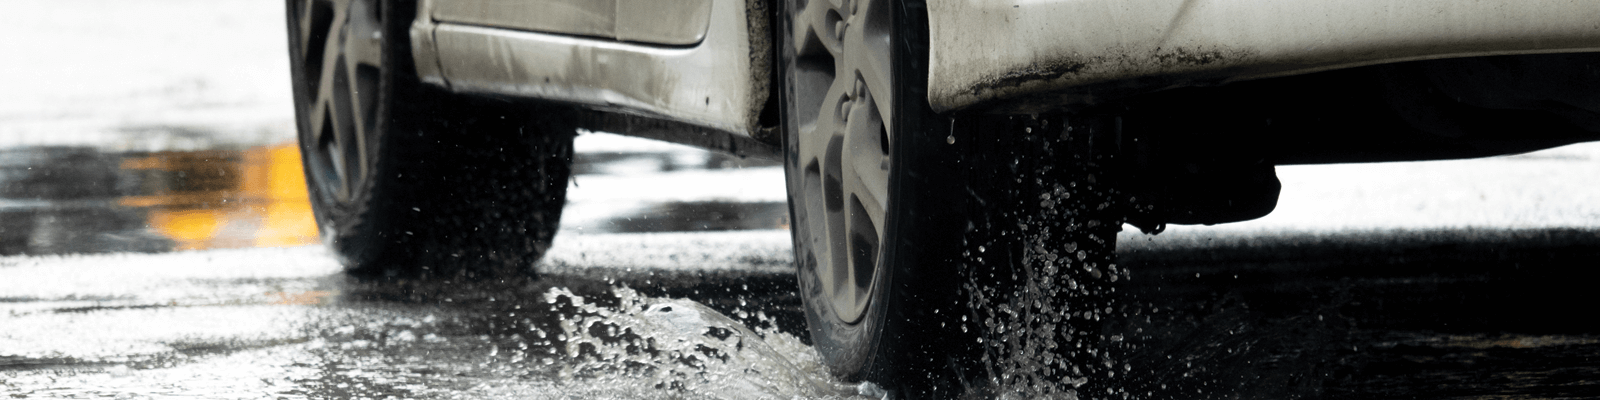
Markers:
point(957, 170)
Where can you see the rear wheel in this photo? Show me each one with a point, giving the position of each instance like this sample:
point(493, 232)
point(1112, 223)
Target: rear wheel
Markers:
point(407, 179)
point(840, 103)
point(915, 268)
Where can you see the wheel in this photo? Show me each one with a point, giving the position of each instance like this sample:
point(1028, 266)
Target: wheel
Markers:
point(839, 104)
point(410, 180)
point(914, 265)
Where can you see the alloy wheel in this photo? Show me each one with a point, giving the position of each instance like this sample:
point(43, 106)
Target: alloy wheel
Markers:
point(341, 51)
point(842, 107)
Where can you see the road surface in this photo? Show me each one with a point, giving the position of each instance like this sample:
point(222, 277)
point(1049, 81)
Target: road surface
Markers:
point(155, 242)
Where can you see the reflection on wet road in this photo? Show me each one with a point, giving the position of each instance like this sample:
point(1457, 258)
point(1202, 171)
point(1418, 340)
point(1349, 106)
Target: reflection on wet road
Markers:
point(671, 278)
point(60, 200)
point(65, 200)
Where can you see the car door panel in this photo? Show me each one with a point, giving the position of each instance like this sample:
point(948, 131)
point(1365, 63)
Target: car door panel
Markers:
point(714, 76)
point(572, 17)
point(663, 22)
point(667, 22)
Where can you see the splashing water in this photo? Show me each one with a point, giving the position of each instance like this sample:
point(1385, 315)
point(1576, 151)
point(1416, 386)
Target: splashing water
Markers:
point(1040, 280)
point(682, 346)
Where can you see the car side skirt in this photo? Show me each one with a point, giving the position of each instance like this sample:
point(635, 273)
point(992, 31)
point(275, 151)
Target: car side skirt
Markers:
point(719, 84)
point(1027, 56)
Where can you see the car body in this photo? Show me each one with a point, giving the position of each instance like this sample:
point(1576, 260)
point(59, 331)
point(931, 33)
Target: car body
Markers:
point(991, 55)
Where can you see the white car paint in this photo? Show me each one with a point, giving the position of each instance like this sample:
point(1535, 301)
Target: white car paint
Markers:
point(720, 83)
point(1054, 52)
point(1009, 55)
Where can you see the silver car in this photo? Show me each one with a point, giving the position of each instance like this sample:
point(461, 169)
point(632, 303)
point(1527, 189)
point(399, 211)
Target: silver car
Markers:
point(957, 169)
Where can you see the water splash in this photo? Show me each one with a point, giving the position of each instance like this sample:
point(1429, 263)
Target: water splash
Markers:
point(1039, 277)
point(682, 346)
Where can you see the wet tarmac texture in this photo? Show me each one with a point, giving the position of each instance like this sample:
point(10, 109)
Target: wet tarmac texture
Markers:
point(144, 284)
point(1439, 314)
point(1409, 315)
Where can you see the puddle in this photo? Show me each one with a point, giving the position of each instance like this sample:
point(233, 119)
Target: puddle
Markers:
point(680, 345)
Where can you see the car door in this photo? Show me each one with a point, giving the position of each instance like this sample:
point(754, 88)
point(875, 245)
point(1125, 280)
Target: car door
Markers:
point(661, 22)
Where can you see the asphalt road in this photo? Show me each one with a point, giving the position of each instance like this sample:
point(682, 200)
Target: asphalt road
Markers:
point(131, 289)
point(155, 243)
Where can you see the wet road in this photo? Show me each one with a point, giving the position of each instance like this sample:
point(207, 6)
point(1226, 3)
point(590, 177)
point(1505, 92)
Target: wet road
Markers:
point(1445, 301)
point(1434, 314)
point(143, 283)
point(155, 243)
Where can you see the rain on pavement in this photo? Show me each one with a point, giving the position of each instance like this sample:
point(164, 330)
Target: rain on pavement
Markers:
point(155, 242)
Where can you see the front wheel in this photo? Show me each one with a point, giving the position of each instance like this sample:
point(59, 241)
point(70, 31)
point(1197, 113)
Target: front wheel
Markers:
point(410, 180)
point(938, 256)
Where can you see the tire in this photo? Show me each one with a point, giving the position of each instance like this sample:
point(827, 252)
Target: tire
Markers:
point(943, 293)
point(409, 180)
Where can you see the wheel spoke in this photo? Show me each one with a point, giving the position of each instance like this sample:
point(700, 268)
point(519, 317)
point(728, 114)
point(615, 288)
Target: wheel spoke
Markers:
point(326, 90)
point(361, 89)
point(342, 48)
point(359, 108)
point(834, 196)
point(868, 58)
point(306, 24)
point(816, 219)
point(818, 20)
point(864, 236)
point(868, 168)
point(830, 122)
point(326, 125)
point(364, 39)
point(320, 126)
point(348, 126)
point(333, 97)
point(331, 50)
point(364, 55)
point(871, 203)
